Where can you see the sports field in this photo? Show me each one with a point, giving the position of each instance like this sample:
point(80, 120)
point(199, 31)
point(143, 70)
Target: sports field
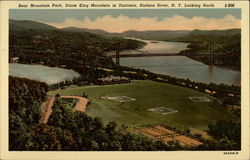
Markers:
point(147, 95)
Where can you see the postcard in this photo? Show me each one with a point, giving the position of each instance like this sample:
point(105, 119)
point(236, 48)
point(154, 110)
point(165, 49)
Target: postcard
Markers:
point(124, 80)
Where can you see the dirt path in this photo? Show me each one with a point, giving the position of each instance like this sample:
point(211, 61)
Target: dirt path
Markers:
point(47, 109)
point(81, 105)
point(47, 106)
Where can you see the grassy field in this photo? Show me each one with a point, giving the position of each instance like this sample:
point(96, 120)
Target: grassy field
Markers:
point(149, 95)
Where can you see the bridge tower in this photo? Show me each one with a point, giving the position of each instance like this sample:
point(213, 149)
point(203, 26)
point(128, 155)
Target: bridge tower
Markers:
point(117, 55)
point(211, 54)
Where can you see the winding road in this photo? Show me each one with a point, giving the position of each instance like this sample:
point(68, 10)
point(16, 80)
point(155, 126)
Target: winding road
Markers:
point(47, 106)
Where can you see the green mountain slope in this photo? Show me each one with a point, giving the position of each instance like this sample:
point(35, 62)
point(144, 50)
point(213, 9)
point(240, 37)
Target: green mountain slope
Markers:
point(94, 31)
point(15, 25)
point(226, 46)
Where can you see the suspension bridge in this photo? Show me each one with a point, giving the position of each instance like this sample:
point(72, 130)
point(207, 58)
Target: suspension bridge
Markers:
point(140, 53)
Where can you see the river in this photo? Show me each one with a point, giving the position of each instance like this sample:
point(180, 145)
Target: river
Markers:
point(179, 66)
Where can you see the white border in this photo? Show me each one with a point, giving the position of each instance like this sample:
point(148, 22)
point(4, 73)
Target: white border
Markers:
point(194, 155)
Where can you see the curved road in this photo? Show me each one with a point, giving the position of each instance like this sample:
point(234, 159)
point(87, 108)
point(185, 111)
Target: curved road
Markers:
point(80, 106)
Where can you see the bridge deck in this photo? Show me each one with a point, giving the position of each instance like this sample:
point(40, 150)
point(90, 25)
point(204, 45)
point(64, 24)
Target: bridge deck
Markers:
point(156, 54)
point(146, 55)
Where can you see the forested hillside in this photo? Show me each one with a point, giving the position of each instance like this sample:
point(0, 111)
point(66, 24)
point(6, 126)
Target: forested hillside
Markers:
point(226, 46)
point(25, 98)
point(28, 38)
point(229, 39)
point(29, 25)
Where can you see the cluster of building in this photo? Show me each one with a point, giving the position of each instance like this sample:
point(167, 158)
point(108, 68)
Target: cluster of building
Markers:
point(112, 80)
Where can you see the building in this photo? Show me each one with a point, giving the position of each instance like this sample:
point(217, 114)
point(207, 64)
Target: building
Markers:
point(14, 60)
point(113, 80)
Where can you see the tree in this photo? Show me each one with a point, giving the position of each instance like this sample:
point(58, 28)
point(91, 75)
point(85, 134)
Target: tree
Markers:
point(226, 132)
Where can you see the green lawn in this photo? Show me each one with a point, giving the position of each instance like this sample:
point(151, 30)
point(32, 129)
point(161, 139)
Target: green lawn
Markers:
point(148, 95)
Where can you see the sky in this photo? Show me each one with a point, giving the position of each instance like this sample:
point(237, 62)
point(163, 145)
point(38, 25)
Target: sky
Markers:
point(120, 20)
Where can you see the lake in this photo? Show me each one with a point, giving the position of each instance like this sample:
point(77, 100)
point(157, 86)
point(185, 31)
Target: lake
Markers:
point(180, 66)
point(49, 75)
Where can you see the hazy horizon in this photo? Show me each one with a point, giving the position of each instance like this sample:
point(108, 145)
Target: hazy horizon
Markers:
point(141, 20)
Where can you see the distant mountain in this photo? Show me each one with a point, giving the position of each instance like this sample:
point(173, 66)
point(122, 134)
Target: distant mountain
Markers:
point(226, 41)
point(156, 35)
point(216, 32)
point(218, 36)
point(165, 35)
point(150, 35)
point(180, 35)
point(94, 31)
point(16, 25)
